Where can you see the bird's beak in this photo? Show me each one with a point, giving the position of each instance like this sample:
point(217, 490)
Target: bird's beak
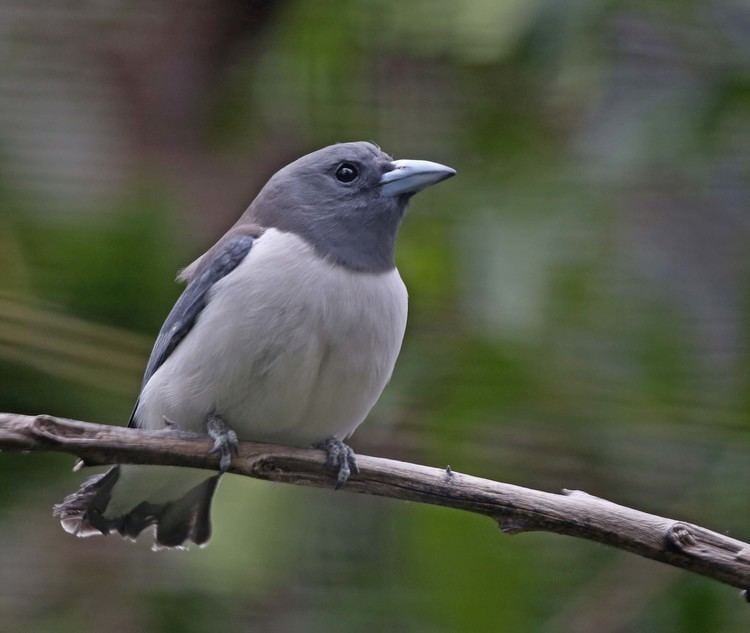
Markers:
point(410, 176)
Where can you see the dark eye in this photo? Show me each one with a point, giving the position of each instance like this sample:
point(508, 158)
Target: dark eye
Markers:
point(346, 172)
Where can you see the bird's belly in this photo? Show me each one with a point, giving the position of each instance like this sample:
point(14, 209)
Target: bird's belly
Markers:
point(305, 355)
point(318, 387)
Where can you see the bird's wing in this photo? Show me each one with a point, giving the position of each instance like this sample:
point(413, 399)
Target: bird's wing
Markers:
point(215, 264)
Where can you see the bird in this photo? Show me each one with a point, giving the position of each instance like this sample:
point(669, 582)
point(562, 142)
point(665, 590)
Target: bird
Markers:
point(287, 332)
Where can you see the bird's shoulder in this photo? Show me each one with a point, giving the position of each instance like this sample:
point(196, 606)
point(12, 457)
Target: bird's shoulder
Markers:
point(227, 242)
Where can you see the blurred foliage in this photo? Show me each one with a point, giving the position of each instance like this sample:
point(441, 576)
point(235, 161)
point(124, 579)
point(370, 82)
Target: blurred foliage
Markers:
point(578, 294)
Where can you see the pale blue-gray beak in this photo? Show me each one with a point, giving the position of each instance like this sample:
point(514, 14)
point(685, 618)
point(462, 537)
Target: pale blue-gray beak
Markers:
point(410, 176)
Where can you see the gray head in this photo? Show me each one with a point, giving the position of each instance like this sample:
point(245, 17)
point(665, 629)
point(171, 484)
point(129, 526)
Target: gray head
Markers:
point(346, 200)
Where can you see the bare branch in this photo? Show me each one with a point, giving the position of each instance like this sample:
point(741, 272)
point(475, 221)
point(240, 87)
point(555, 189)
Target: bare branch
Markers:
point(516, 509)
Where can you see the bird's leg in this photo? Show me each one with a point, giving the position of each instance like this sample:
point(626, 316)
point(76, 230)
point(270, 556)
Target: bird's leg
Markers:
point(225, 440)
point(340, 458)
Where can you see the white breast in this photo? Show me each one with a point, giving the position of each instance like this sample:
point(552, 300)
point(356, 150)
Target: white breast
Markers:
point(289, 349)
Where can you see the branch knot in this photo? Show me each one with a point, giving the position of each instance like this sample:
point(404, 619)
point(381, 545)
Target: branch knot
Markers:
point(680, 537)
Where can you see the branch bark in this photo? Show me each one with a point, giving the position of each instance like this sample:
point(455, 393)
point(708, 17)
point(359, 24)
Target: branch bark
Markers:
point(515, 509)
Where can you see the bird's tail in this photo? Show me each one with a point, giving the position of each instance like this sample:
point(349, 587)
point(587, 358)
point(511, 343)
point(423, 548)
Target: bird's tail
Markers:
point(129, 499)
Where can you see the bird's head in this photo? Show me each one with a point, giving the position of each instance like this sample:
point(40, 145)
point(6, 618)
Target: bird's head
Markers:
point(346, 200)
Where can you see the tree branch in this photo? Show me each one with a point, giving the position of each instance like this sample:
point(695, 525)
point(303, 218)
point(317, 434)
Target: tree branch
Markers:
point(516, 509)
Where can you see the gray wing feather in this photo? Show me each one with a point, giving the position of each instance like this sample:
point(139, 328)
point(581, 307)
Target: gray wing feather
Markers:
point(183, 315)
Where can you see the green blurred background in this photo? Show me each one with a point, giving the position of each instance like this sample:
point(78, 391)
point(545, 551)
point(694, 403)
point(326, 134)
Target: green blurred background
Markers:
point(579, 295)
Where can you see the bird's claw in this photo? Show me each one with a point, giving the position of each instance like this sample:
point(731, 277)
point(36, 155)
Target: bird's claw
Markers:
point(226, 443)
point(340, 458)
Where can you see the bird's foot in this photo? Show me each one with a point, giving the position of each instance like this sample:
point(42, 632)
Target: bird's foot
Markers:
point(225, 440)
point(340, 458)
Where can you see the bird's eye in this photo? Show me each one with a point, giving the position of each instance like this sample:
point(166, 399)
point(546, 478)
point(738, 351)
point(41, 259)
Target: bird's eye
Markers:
point(346, 172)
